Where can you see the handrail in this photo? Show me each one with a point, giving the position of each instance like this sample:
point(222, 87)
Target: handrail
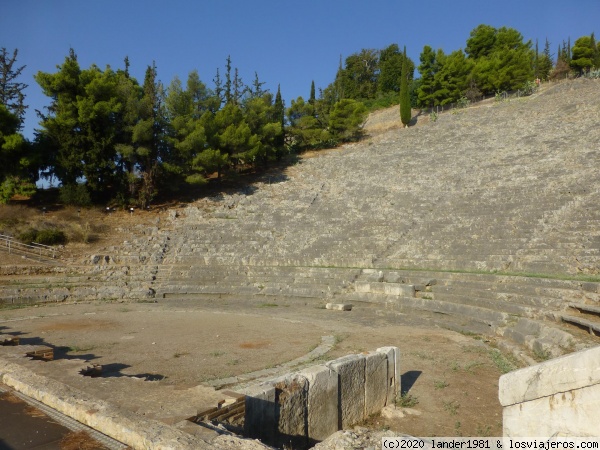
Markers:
point(40, 250)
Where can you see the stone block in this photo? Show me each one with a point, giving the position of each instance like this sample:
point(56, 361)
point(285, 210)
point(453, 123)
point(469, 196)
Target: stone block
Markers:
point(557, 397)
point(362, 286)
point(567, 373)
point(351, 378)
point(572, 413)
point(376, 382)
point(322, 401)
point(376, 277)
point(260, 420)
point(339, 306)
point(393, 372)
point(291, 394)
point(394, 277)
point(404, 290)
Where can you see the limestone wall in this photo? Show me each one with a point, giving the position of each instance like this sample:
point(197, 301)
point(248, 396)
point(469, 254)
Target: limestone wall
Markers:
point(560, 397)
point(310, 405)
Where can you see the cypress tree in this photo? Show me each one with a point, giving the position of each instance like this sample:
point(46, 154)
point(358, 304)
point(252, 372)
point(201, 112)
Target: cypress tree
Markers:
point(312, 98)
point(405, 112)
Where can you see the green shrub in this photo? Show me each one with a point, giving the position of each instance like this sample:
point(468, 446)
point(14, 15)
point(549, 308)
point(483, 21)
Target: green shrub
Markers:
point(49, 236)
point(28, 236)
point(346, 120)
point(463, 102)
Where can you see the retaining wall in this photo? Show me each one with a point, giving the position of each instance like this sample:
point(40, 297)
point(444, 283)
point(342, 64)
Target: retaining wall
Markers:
point(308, 406)
point(560, 397)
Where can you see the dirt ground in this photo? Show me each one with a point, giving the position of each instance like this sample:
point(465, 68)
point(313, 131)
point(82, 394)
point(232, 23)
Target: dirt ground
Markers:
point(449, 380)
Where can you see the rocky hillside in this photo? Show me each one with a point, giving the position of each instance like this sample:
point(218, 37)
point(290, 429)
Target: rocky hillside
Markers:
point(506, 186)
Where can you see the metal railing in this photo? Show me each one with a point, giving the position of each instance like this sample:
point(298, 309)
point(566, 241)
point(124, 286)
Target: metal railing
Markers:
point(38, 250)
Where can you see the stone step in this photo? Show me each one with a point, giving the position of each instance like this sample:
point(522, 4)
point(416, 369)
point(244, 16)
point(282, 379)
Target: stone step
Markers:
point(544, 338)
point(505, 284)
point(589, 325)
point(587, 309)
point(491, 317)
point(493, 304)
point(398, 289)
point(392, 302)
point(496, 295)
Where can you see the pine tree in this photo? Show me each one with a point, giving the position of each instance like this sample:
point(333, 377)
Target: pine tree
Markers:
point(217, 100)
point(60, 137)
point(427, 69)
point(239, 88)
point(405, 111)
point(11, 91)
point(257, 91)
point(17, 169)
point(595, 52)
point(390, 68)
point(583, 55)
point(148, 135)
point(545, 62)
point(228, 91)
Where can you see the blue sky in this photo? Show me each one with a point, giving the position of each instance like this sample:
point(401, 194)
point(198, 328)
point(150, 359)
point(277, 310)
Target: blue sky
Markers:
point(286, 42)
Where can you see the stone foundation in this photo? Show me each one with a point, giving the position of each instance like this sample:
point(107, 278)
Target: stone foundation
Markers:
point(560, 397)
point(308, 406)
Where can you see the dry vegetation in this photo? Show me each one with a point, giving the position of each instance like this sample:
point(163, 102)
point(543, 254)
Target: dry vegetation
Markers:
point(82, 226)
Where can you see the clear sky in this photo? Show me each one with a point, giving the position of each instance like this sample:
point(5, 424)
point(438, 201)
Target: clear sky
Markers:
point(286, 42)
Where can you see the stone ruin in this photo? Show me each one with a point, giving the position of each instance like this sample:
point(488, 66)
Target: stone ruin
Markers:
point(490, 225)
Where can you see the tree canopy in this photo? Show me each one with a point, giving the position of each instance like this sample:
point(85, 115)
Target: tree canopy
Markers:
point(108, 138)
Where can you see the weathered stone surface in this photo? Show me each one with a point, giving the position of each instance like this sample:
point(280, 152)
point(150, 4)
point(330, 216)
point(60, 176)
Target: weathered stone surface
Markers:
point(351, 378)
point(276, 411)
point(339, 306)
point(291, 409)
point(558, 396)
point(376, 388)
point(124, 426)
point(393, 412)
point(393, 372)
point(362, 286)
point(404, 290)
point(376, 277)
point(322, 401)
point(261, 415)
point(357, 438)
point(572, 413)
point(394, 277)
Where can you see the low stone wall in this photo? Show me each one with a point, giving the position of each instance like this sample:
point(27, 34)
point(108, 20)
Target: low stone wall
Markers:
point(308, 406)
point(560, 397)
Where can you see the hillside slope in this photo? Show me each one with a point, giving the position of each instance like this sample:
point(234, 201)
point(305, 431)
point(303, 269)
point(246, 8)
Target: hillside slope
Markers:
point(509, 186)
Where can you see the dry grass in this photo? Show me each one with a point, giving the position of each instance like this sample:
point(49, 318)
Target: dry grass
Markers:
point(79, 225)
point(11, 215)
point(79, 440)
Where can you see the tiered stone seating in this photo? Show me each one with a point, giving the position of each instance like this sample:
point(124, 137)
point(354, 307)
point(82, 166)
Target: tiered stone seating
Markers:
point(521, 309)
point(484, 190)
point(503, 188)
point(121, 272)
